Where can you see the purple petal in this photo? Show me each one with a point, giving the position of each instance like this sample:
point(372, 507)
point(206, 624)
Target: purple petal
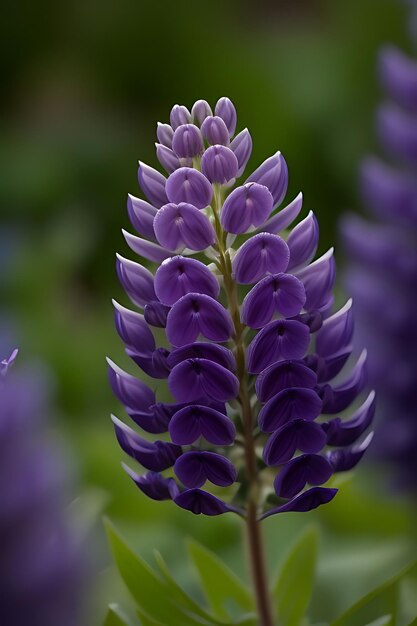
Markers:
point(152, 184)
point(279, 340)
point(345, 432)
point(311, 469)
point(133, 329)
point(165, 133)
point(196, 314)
point(180, 275)
point(154, 485)
point(188, 185)
point(167, 158)
point(156, 314)
point(155, 417)
point(397, 130)
point(307, 501)
point(260, 255)
point(273, 173)
point(318, 279)
point(336, 332)
point(219, 164)
point(179, 115)
point(147, 249)
point(296, 435)
point(202, 502)
point(287, 405)
point(6, 363)
point(183, 225)
point(193, 422)
point(303, 241)
point(388, 192)
point(154, 364)
point(156, 456)
point(283, 218)
point(187, 141)
point(226, 110)
point(284, 375)
point(202, 350)
point(242, 147)
point(247, 205)
point(398, 74)
point(194, 468)
point(133, 393)
point(201, 109)
point(345, 459)
point(136, 280)
point(215, 131)
point(278, 293)
point(346, 392)
point(197, 379)
point(141, 215)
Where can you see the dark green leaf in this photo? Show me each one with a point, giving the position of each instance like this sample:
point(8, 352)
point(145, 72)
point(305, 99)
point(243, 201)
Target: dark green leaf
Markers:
point(150, 592)
point(180, 596)
point(293, 588)
point(220, 584)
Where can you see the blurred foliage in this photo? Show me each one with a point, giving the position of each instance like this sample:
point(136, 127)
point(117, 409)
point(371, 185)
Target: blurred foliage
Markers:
point(84, 83)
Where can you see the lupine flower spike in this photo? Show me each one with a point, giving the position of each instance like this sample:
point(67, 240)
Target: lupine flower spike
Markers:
point(383, 264)
point(41, 565)
point(251, 348)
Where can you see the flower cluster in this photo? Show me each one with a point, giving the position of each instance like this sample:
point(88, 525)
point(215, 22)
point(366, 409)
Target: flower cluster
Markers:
point(251, 346)
point(383, 270)
point(40, 562)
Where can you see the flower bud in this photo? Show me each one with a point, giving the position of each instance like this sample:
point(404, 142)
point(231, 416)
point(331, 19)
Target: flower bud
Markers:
point(226, 110)
point(215, 131)
point(273, 173)
point(183, 225)
point(242, 147)
point(179, 115)
point(167, 158)
point(189, 185)
point(152, 184)
point(201, 109)
point(249, 205)
point(165, 133)
point(219, 164)
point(187, 141)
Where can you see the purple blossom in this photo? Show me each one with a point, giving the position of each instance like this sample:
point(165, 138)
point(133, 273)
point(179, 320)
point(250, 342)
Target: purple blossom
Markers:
point(41, 566)
point(251, 346)
point(382, 274)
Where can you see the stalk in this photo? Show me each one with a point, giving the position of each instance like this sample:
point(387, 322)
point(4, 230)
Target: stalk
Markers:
point(255, 544)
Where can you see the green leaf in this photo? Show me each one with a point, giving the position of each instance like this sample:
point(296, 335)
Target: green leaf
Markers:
point(382, 599)
point(220, 584)
point(414, 622)
point(115, 617)
point(293, 588)
point(386, 620)
point(146, 621)
point(150, 592)
point(180, 596)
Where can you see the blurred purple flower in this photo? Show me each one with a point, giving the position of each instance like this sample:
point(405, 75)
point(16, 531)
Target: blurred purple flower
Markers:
point(382, 275)
point(252, 349)
point(41, 567)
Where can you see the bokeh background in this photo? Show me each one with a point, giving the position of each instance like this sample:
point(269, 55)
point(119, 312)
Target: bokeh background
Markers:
point(83, 85)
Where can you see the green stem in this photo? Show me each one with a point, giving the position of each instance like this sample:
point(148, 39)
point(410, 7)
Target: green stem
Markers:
point(256, 552)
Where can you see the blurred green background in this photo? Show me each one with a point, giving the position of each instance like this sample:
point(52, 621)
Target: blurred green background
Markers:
point(84, 83)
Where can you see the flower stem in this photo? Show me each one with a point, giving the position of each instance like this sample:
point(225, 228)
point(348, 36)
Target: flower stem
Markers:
point(253, 531)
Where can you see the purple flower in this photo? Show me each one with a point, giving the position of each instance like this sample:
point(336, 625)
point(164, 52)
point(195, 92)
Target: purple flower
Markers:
point(41, 565)
point(251, 347)
point(382, 275)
